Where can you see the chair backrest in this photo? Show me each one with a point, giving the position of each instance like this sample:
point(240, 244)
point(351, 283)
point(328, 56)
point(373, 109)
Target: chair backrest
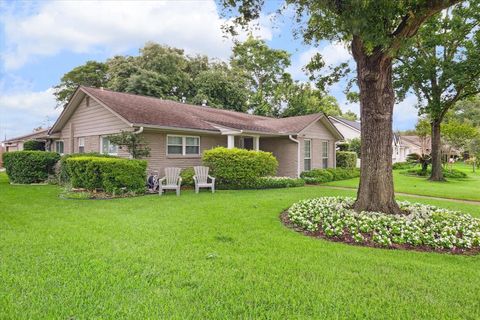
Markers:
point(201, 173)
point(172, 175)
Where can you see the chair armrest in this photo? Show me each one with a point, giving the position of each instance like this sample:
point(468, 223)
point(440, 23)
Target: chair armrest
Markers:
point(179, 183)
point(161, 180)
point(194, 178)
point(212, 178)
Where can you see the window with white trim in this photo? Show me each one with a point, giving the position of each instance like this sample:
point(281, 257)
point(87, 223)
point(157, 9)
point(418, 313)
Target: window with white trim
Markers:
point(59, 146)
point(307, 154)
point(81, 145)
point(183, 145)
point(324, 154)
point(106, 147)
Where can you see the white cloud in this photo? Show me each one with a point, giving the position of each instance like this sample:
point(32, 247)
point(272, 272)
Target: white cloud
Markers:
point(22, 111)
point(114, 27)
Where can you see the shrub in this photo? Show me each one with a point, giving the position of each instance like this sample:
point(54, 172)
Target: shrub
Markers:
point(317, 176)
point(34, 145)
point(187, 177)
point(278, 182)
point(113, 175)
point(447, 173)
point(346, 159)
point(30, 166)
point(63, 176)
point(422, 225)
point(402, 165)
point(344, 173)
point(343, 146)
point(239, 168)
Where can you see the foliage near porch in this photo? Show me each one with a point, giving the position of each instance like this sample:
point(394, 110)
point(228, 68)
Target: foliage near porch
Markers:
point(175, 257)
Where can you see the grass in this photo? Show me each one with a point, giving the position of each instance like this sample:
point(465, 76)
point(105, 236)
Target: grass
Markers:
point(465, 189)
point(217, 256)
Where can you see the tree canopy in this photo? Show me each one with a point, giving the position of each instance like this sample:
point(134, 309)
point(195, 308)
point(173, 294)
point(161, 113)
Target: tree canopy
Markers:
point(254, 80)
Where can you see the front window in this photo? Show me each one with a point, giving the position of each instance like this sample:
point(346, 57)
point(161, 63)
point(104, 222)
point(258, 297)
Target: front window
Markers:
point(107, 147)
point(59, 147)
point(307, 159)
point(81, 145)
point(324, 154)
point(183, 145)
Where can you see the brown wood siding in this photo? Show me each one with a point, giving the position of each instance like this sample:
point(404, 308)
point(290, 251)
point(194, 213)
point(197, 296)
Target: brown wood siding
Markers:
point(90, 123)
point(317, 133)
point(285, 151)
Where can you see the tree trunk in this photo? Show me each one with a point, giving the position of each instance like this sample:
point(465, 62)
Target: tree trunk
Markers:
point(374, 72)
point(437, 170)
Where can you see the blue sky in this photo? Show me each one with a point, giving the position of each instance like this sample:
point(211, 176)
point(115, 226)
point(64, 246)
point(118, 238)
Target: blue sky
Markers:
point(40, 41)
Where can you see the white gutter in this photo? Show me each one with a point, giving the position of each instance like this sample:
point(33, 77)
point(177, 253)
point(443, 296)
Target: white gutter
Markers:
point(298, 153)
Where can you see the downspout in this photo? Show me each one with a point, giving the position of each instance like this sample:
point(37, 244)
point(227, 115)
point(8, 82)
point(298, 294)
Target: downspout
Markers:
point(298, 153)
point(140, 130)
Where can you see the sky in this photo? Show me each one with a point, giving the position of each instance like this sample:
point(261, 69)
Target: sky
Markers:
point(42, 40)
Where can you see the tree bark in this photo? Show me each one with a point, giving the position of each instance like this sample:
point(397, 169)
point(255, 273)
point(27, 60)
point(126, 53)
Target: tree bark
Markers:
point(437, 170)
point(374, 74)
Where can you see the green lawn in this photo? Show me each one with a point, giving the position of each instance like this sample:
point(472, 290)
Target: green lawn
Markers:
point(466, 189)
point(205, 256)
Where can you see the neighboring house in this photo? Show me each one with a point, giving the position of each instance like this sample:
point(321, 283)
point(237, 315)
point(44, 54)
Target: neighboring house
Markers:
point(16, 144)
point(352, 129)
point(179, 133)
point(416, 144)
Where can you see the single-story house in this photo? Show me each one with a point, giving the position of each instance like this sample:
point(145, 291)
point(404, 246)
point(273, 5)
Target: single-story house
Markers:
point(352, 129)
point(16, 144)
point(179, 133)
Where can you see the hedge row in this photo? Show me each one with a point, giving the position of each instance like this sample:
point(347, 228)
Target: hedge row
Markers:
point(63, 175)
point(30, 166)
point(239, 168)
point(447, 173)
point(346, 159)
point(112, 175)
point(317, 176)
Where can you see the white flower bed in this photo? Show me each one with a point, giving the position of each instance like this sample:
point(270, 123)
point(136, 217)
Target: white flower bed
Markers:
point(424, 225)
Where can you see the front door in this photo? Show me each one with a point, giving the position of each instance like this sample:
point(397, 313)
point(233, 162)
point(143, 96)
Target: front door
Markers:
point(248, 143)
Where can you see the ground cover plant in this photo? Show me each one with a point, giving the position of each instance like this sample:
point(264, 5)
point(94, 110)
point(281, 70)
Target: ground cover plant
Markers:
point(177, 257)
point(421, 227)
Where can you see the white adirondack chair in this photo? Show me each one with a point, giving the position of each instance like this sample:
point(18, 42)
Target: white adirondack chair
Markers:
point(201, 179)
point(171, 181)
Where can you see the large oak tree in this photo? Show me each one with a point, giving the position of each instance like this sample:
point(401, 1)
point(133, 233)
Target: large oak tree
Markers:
point(376, 31)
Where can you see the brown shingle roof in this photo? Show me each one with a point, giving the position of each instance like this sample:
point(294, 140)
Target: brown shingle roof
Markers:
point(138, 110)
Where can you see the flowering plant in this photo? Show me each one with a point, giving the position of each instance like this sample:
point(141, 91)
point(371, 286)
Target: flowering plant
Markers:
point(421, 225)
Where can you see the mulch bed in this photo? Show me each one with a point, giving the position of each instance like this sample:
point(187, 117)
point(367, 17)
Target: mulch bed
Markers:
point(347, 239)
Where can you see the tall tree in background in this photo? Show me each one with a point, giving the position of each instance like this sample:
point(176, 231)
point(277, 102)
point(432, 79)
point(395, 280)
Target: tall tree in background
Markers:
point(92, 73)
point(442, 66)
point(302, 99)
point(458, 135)
point(265, 70)
point(376, 31)
point(467, 110)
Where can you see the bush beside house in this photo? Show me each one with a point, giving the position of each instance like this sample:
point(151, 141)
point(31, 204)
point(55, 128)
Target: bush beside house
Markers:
point(239, 168)
point(346, 159)
point(30, 166)
point(317, 176)
point(112, 175)
point(34, 145)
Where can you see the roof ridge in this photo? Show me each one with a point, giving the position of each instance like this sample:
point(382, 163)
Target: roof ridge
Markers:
point(179, 103)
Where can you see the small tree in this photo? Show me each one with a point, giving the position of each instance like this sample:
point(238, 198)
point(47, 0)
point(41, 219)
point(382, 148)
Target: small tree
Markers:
point(135, 143)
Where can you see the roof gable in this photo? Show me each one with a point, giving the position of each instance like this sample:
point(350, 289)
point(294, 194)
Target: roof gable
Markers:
point(137, 110)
